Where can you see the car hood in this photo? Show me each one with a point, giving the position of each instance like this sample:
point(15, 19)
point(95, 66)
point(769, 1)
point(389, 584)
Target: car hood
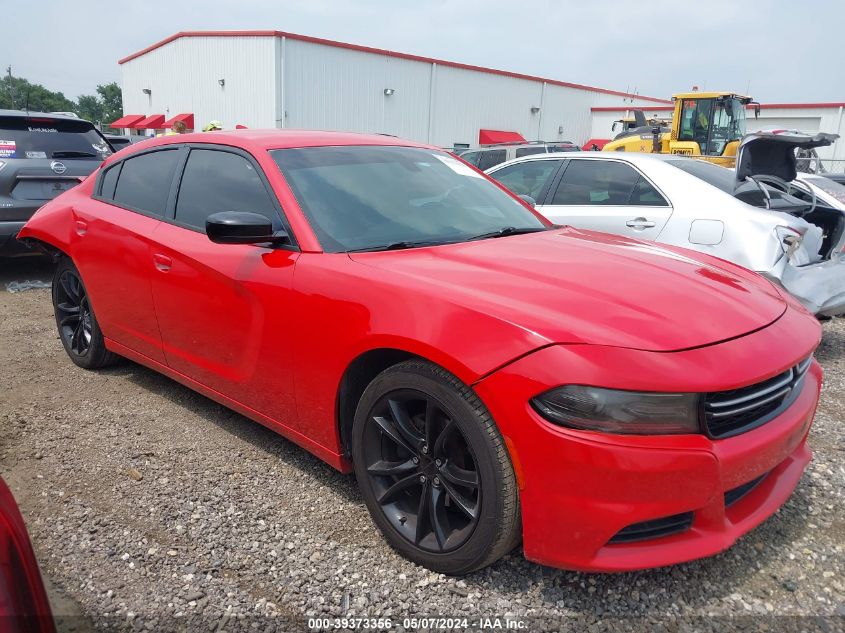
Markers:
point(773, 154)
point(570, 286)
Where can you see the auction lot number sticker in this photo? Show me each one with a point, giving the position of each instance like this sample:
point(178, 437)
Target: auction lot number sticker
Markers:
point(415, 624)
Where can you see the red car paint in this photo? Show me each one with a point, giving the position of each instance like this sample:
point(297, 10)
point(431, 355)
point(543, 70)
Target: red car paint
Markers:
point(512, 317)
point(24, 607)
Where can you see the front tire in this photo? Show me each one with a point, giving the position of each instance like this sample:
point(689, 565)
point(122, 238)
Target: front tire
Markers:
point(75, 319)
point(434, 471)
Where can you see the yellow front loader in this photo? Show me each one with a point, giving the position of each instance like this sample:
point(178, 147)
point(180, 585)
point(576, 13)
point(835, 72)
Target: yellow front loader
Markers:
point(704, 124)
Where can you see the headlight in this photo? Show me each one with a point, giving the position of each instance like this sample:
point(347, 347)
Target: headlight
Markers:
point(614, 411)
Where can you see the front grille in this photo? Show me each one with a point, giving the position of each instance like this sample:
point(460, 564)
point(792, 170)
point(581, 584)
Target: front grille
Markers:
point(728, 413)
point(735, 494)
point(654, 528)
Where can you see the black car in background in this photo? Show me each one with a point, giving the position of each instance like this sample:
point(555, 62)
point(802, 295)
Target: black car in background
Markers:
point(41, 155)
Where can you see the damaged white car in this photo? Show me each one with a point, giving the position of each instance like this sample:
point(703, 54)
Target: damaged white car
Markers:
point(754, 216)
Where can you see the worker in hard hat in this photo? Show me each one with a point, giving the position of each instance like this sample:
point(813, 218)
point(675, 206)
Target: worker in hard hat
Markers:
point(213, 126)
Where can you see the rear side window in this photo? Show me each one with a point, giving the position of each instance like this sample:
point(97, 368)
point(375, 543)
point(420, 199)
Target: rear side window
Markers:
point(527, 151)
point(528, 178)
point(109, 181)
point(491, 158)
point(144, 181)
point(41, 137)
point(645, 195)
point(595, 182)
point(220, 181)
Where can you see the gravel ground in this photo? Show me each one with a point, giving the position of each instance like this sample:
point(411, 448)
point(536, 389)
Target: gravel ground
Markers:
point(153, 508)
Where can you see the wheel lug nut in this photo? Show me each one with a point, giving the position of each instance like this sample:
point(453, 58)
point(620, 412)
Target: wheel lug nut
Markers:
point(425, 450)
point(438, 463)
point(415, 459)
point(422, 479)
point(437, 481)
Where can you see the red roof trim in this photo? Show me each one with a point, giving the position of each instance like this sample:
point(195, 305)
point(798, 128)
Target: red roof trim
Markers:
point(774, 106)
point(629, 108)
point(381, 51)
point(763, 106)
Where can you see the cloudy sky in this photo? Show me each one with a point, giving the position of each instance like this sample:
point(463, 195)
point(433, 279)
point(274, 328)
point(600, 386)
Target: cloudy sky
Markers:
point(780, 50)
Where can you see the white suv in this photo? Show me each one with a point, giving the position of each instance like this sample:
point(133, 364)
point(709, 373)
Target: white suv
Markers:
point(492, 155)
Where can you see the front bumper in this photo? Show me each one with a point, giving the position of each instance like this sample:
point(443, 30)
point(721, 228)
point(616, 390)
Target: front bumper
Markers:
point(579, 489)
point(819, 287)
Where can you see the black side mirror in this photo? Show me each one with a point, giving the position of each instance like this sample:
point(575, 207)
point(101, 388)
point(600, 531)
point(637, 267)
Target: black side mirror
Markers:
point(240, 227)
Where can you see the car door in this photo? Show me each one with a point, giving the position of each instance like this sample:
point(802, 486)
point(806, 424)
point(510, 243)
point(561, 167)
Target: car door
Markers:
point(607, 195)
point(530, 178)
point(112, 246)
point(225, 310)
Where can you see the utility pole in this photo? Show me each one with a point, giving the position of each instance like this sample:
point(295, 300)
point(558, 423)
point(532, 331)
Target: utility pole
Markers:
point(11, 95)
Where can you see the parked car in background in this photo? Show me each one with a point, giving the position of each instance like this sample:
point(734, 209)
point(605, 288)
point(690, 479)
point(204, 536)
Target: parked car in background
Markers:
point(697, 205)
point(487, 376)
point(24, 606)
point(119, 141)
point(834, 176)
point(486, 157)
point(41, 155)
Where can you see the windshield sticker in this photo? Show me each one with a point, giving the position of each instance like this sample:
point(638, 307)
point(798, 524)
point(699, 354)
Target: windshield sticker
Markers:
point(36, 154)
point(7, 149)
point(43, 129)
point(457, 166)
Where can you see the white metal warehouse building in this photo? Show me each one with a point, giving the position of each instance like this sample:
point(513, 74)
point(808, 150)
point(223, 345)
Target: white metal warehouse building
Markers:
point(272, 79)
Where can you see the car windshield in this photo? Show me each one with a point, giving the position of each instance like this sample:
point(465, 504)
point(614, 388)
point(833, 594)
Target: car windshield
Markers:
point(379, 197)
point(41, 137)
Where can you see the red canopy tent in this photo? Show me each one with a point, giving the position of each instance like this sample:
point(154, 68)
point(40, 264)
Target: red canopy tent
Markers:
point(187, 118)
point(152, 122)
point(126, 120)
point(494, 137)
point(599, 142)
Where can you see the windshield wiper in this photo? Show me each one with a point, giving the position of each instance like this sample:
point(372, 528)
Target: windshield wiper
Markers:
point(396, 246)
point(73, 154)
point(508, 230)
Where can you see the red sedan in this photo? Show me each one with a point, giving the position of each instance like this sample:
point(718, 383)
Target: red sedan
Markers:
point(489, 377)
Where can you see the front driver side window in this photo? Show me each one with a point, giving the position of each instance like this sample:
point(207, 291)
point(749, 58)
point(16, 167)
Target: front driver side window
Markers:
point(528, 178)
point(216, 180)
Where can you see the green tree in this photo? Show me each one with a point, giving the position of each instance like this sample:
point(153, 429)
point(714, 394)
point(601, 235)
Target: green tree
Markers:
point(19, 94)
point(111, 101)
point(104, 107)
point(89, 107)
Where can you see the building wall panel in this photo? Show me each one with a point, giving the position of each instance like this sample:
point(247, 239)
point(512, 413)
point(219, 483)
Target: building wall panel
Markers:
point(338, 89)
point(183, 77)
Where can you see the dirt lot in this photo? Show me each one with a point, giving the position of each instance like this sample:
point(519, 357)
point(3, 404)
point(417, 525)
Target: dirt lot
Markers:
point(153, 508)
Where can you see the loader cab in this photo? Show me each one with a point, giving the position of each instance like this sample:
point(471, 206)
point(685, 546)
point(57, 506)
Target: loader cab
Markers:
point(708, 124)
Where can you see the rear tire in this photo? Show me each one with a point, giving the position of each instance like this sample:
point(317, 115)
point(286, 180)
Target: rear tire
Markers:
point(76, 321)
point(434, 471)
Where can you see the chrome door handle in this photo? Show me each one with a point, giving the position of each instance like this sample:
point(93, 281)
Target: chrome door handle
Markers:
point(640, 223)
point(162, 262)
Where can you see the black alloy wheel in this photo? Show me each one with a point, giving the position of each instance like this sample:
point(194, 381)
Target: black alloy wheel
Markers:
point(75, 319)
point(434, 470)
point(73, 313)
point(423, 472)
